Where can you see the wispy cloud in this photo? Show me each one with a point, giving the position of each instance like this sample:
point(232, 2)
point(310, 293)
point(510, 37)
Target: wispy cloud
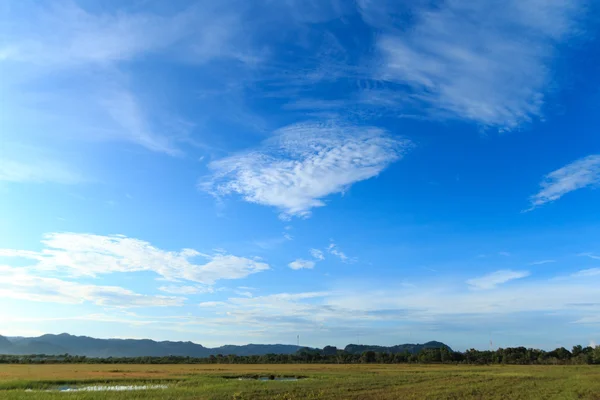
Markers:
point(317, 254)
point(542, 262)
point(490, 281)
point(303, 164)
point(310, 12)
point(35, 163)
point(541, 295)
point(211, 304)
point(302, 264)
point(424, 307)
point(81, 254)
point(590, 255)
point(587, 273)
point(427, 307)
point(483, 61)
point(245, 293)
point(276, 310)
point(183, 290)
point(133, 125)
point(334, 250)
point(579, 174)
point(18, 283)
point(122, 316)
point(38, 171)
point(77, 52)
point(65, 35)
point(273, 242)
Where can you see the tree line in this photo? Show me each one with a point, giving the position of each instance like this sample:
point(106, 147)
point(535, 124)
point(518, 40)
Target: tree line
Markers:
point(331, 355)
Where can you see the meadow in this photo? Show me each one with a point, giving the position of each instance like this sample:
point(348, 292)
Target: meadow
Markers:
point(317, 381)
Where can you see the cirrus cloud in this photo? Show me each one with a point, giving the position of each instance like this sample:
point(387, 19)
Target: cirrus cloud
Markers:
point(580, 174)
point(490, 281)
point(483, 61)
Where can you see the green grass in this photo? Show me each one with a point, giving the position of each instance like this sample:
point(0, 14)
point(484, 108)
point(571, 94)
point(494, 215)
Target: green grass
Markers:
point(321, 381)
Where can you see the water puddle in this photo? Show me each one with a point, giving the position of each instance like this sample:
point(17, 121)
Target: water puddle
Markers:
point(100, 388)
point(265, 378)
point(281, 379)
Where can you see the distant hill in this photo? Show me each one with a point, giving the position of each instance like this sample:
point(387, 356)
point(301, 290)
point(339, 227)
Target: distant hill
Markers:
point(401, 348)
point(4, 342)
point(92, 347)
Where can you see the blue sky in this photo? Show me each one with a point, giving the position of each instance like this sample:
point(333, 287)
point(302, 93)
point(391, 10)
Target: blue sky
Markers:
point(250, 171)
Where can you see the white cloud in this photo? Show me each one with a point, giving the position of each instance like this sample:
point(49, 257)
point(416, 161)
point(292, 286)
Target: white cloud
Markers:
point(420, 303)
point(490, 281)
point(334, 250)
point(210, 304)
point(81, 254)
point(175, 289)
point(304, 163)
point(587, 273)
point(439, 300)
point(18, 283)
point(504, 253)
point(318, 254)
point(278, 309)
point(335, 316)
point(591, 320)
point(66, 35)
point(542, 262)
point(301, 264)
point(485, 61)
point(590, 255)
point(130, 318)
point(427, 306)
point(577, 175)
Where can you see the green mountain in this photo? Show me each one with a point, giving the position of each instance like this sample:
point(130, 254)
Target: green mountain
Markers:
point(401, 348)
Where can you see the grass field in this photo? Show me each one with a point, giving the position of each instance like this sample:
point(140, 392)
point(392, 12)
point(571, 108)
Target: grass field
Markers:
point(370, 381)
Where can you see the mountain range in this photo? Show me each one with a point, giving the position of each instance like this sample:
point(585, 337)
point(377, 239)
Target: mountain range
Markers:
point(92, 347)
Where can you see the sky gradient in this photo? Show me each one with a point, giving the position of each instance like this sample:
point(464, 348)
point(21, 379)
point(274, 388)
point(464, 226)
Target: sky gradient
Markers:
point(249, 171)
